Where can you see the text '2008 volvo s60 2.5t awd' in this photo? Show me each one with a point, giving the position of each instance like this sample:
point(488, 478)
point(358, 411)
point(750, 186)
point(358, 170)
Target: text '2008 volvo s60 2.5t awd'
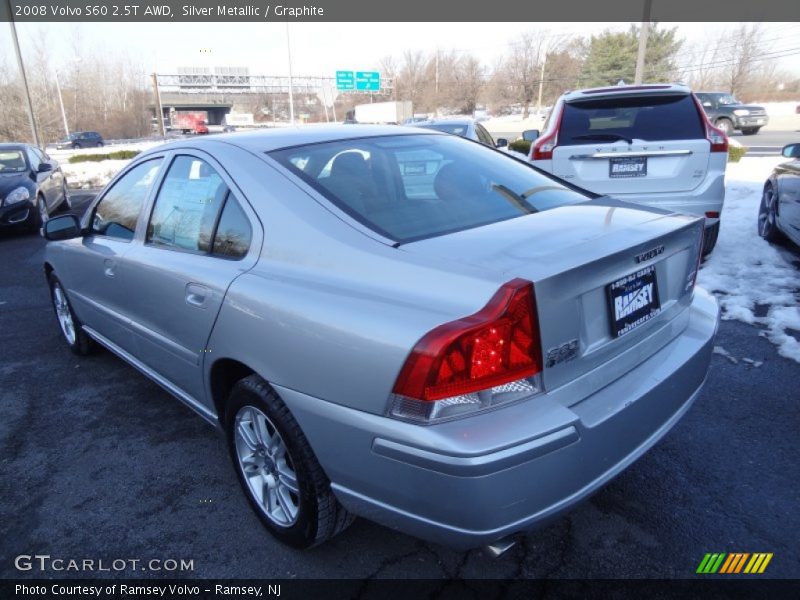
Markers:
point(402, 325)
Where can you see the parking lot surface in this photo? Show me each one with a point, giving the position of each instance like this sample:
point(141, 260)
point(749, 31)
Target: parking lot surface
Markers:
point(98, 462)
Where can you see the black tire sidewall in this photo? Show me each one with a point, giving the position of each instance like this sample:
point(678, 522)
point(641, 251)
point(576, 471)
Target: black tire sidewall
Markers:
point(303, 533)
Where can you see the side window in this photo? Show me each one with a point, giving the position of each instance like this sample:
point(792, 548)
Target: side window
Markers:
point(187, 206)
point(116, 214)
point(484, 136)
point(232, 239)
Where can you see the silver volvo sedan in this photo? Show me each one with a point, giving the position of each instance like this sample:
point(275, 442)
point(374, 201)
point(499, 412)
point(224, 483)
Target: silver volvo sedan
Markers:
point(397, 324)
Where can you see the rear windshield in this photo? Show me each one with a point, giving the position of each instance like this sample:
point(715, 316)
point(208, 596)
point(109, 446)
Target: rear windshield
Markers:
point(650, 118)
point(410, 187)
point(12, 161)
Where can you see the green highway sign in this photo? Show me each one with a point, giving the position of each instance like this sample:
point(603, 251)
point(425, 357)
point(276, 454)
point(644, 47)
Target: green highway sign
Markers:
point(345, 80)
point(368, 81)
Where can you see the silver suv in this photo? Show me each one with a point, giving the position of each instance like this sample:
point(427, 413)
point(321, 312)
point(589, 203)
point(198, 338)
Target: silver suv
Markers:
point(646, 144)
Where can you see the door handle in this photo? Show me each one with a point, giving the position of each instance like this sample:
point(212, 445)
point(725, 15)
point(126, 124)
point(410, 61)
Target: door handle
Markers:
point(109, 267)
point(196, 294)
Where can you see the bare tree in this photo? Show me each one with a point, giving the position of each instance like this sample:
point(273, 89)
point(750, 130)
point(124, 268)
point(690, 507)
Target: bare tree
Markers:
point(522, 65)
point(743, 56)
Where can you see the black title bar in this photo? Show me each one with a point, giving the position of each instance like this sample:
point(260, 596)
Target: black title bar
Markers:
point(406, 10)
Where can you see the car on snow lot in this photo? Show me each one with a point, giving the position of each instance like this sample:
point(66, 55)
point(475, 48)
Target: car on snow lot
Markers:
point(32, 186)
point(729, 114)
point(779, 212)
point(458, 357)
point(646, 144)
point(81, 139)
point(466, 128)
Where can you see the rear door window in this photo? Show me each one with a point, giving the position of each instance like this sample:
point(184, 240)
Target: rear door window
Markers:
point(650, 118)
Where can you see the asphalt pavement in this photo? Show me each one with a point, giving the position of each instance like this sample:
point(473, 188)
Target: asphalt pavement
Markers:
point(98, 462)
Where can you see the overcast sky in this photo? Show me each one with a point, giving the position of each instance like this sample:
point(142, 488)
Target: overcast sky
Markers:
point(322, 48)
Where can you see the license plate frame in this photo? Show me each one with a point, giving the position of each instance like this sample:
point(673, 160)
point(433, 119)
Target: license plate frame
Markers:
point(625, 167)
point(626, 294)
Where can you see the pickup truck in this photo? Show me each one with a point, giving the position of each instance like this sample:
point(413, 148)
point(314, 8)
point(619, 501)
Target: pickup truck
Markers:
point(729, 115)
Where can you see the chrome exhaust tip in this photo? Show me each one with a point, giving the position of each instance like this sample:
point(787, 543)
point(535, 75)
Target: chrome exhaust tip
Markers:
point(499, 547)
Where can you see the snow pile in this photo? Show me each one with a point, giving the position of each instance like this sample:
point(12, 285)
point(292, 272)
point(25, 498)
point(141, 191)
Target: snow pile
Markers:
point(91, 174)
point(96, 174)
point(754, 281)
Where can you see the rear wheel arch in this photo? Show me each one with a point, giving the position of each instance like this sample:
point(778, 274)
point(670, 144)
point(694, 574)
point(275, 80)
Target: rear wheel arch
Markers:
point(224, 374)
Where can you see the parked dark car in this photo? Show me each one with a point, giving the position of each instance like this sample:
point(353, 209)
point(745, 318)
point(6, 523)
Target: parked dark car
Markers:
point(779, 213)
point(81, 139)
point(729, 115)
point(466, 128)
point(32, 186)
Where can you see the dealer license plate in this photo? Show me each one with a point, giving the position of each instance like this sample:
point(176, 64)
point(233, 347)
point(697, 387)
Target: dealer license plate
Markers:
point(634, 166)
point(633, 300)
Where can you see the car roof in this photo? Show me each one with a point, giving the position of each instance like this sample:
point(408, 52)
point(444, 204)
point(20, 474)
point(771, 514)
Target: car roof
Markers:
point(13, 146)
point(267, 140)
point(450, 121)
point(626, 90)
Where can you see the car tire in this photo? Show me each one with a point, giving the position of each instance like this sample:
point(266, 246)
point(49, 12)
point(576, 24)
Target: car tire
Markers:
point(99, 144)
point(270, 452)
point(38, 215)
point(768, 216)
point(726, 125)
point(66, 203)
point(76, 146)
point(710, 236)
point(751, 130)
point(71, 328)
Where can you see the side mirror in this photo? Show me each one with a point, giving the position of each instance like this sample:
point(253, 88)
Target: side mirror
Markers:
point(63, 227)
point(501, 143)
point(791, 151)
point(530, 135)
point(45, 167)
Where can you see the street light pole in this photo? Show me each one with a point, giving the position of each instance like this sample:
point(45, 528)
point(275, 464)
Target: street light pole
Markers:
point(291, 91)
point(24, 79)
point(61, 104)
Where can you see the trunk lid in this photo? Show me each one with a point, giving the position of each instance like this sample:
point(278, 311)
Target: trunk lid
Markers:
point(634, 144)
point(573, 254)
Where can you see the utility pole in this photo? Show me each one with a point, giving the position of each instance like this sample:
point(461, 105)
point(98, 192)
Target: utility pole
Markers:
point(61, 104)
point(159, 108)
point(643, 33)
point(24, 78)
point(541, 85)
point(291, 92)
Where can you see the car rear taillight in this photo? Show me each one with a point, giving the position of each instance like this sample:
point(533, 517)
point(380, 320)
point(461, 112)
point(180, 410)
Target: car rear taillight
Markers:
point(715, 136)
point(476, 362)
point(543, 147)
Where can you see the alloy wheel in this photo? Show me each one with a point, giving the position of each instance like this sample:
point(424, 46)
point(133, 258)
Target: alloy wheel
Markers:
point(766, 216)
point(267, 467)
point(63, 313)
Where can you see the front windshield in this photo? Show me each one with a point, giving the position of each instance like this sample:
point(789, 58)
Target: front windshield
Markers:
point(12, 161)
point(410, 187)
point(728, 99)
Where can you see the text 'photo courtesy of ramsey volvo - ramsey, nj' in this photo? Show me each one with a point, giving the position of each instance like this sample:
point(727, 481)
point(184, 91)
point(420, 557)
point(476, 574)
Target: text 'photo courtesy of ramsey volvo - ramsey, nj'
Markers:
point(371, 311)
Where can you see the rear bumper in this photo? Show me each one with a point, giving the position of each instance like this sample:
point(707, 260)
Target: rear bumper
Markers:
point(476, 480)
point(708, 198)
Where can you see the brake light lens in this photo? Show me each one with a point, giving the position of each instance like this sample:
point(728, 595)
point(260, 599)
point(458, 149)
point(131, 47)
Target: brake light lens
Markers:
point(544, 146)
point(476, 362)
point(715, 136)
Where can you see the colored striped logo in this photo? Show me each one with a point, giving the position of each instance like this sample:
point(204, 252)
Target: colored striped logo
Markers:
point(734, 562)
